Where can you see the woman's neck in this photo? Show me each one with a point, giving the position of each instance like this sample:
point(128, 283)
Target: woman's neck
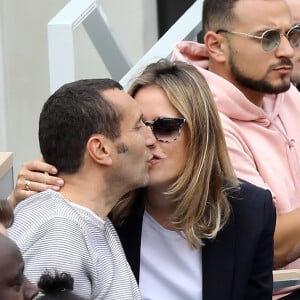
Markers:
point(159, 207)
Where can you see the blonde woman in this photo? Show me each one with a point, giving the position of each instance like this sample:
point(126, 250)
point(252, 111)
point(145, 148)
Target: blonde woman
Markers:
point(195, 232)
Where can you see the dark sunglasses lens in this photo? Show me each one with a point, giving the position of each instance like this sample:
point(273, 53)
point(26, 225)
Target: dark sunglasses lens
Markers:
point(270, 40)
point(166, 129)
point(294, 36)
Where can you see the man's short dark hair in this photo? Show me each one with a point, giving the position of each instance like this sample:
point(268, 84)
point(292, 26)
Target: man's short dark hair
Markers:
point(71, 116)
point(217, 14)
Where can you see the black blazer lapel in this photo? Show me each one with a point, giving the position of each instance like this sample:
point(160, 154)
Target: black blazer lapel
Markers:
point(130, 234)
point(218, 264)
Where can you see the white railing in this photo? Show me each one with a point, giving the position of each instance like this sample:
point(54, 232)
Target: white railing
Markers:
point(90, 14)
point(61, 41)
point(186, 27)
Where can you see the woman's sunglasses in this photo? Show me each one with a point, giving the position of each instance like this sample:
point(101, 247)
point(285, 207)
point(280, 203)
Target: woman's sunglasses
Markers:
point(270, 39)
point(166, 130)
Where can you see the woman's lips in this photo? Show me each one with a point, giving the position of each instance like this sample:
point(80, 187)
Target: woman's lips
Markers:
point(155, 159)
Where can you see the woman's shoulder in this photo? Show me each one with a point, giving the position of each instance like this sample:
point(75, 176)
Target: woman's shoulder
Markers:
point(251, 201)
point(248, 192)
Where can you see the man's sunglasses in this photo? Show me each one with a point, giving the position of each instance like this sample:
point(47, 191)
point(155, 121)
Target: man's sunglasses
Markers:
point(270, 39)
point(166, 130)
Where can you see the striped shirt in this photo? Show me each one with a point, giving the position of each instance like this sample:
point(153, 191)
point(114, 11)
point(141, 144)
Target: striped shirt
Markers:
point(55, 234)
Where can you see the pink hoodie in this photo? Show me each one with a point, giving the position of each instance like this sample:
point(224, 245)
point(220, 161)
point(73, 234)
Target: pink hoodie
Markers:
point(264, 144)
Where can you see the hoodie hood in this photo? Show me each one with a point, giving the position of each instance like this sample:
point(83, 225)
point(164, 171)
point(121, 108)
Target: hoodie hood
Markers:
point(229, 100)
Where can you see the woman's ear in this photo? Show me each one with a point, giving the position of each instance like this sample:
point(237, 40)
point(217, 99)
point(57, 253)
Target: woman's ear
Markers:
point(216, 45)
point(100, 149)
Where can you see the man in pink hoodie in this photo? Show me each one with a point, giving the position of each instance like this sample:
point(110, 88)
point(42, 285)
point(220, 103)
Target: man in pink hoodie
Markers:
point(247, 61)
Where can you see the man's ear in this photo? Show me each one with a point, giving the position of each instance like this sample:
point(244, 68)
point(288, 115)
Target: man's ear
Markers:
point(100, 149)
point(216, 46)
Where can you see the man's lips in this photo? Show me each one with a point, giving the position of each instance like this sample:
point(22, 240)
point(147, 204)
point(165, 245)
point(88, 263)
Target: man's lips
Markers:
point(285, 65)
point(283, 69)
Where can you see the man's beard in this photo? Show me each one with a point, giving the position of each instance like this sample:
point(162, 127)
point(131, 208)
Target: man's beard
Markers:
point(260, 85)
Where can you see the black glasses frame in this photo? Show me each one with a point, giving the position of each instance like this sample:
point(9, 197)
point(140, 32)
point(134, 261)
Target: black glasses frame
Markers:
point(179, 122)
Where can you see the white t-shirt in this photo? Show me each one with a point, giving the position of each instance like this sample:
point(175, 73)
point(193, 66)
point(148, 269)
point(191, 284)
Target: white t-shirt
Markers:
point(169, 269)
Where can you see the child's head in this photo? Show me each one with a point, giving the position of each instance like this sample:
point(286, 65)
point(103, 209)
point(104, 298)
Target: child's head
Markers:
point(6, 216)
point(13, 283)
point(57, 286)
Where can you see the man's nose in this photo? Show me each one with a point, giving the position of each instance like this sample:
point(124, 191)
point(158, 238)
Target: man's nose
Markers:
point(150, 138)
point(284, 48)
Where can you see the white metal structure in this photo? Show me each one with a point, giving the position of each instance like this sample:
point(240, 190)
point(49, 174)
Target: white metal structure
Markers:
point(187, 27)
point(90, 14)
point(61, 41)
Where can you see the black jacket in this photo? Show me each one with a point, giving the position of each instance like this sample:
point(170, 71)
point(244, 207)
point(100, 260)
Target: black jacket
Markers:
point(237, 264)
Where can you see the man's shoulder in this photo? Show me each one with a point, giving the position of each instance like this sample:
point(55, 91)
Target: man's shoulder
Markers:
point(40, 200)
point(45, 212)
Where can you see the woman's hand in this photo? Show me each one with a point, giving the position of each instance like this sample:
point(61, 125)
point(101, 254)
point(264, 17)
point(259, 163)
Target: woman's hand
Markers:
point(35, 176)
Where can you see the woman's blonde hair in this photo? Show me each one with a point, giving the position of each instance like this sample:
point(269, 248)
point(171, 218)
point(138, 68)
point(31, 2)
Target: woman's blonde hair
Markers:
point(200, 192)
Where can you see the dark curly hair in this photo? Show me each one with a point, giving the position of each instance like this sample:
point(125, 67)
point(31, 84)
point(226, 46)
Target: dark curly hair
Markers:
point(57, 286)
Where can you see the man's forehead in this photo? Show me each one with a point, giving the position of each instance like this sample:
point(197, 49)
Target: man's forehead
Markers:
point(260, 4)
point(124, 103)
point(116, 96)
point(268, 13)
point(294, 6)
point(261, 1)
